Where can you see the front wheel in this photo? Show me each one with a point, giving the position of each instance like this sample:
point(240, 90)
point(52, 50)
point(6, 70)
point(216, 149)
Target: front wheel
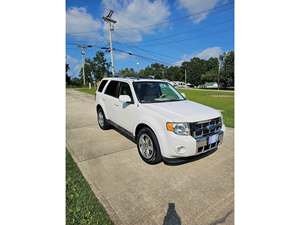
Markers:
point(148, 146)
point(102, 122)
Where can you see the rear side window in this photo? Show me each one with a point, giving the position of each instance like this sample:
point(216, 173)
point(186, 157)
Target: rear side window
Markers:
point(112, 88)
point(102, 84)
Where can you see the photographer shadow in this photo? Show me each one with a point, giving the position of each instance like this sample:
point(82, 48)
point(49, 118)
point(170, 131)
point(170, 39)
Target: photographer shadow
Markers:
point(172, 218)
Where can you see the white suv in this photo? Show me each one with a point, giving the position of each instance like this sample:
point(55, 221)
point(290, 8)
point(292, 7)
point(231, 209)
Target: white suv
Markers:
point(162, 122)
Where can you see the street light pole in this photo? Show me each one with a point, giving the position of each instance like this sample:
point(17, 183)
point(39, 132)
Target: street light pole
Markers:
point(83, 53)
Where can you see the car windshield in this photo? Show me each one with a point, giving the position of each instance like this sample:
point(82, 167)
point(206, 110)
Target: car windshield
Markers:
point(151, 92)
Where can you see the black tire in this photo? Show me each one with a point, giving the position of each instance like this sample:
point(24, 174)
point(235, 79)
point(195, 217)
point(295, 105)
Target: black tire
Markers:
point(156, 156)
point(105, 125)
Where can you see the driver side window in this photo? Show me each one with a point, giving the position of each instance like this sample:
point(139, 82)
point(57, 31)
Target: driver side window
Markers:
point(125, 90)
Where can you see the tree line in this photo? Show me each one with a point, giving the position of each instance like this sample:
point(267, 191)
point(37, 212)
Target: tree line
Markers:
point(198, 70)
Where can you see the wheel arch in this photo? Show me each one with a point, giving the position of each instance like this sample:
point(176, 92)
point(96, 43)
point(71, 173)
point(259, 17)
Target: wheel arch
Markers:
point(139, 127)
point(99, 106)
point(143, 124)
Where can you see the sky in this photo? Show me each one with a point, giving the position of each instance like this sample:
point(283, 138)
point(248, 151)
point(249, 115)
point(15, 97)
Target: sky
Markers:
point(155, 31)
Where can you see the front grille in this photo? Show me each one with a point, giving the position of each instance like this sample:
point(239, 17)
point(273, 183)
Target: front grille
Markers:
point(209, 147)
point(206, 128)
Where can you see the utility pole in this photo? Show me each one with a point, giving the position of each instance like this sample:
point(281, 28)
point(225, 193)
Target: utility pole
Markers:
point(83, 53)
point(110, 22)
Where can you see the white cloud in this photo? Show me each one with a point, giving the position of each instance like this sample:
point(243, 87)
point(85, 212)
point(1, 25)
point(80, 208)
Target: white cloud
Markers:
point(81, 25)
point(121, 55)
point(137, 14)
point(213, 52)
point(195, 6)
point(74, 64)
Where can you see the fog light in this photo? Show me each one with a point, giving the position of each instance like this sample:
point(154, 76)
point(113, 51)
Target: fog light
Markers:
point(180, 149)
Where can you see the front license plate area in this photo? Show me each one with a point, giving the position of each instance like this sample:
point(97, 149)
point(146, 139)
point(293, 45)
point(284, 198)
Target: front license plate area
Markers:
point(213, 139)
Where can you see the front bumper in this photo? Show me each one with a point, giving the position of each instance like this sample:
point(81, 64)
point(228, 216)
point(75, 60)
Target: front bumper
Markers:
point(203, 145)
point(176, 146)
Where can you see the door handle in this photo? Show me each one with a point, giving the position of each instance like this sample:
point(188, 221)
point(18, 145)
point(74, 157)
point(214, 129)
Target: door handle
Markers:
point(116, 104)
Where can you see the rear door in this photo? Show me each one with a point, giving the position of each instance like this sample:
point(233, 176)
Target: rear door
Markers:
point(111, 100)
point(126, 112)
point(99, 92)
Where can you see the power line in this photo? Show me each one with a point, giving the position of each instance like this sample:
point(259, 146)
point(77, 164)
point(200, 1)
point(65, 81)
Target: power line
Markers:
point(160, 54)
point(186, 39)
point(143, 57)
point(155, 54)
point(165, 37)
point(186, 31)
point(128, 53)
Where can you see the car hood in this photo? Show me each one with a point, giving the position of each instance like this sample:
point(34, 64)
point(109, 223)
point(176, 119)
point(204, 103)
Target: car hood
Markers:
point(183, 111)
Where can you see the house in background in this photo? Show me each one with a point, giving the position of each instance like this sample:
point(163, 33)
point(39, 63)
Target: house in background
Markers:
point(178, 83)
point(211, 85)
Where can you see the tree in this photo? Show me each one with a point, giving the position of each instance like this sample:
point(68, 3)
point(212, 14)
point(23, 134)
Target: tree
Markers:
point(175, 73)
point(76, 82)
point(210, 76)
point(157, 70)
point(227, 72)
point(127, 72)
point(213, 64)
point(95, 69)
point(68, 78)
point(195, 68)
point(100, 67)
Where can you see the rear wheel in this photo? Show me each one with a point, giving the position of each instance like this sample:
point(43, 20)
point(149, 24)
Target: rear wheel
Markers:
point(102, 122)
point(148, 146)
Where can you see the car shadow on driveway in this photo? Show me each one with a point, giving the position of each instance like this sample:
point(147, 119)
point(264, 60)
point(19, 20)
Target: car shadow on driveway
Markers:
point(172, 217)
point(180, 161)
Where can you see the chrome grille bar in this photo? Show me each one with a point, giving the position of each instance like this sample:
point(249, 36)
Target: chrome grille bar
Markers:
point(206, 128)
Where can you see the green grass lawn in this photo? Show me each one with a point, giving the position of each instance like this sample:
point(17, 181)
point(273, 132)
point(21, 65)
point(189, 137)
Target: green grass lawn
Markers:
point(223, 100)
point(82, 207)
point(87, 90)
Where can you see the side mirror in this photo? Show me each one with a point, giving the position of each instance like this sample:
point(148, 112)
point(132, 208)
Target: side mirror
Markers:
point(124, 99)
point(183, 95)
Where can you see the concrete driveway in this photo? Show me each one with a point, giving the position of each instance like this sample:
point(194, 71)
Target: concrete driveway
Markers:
point(133, 192)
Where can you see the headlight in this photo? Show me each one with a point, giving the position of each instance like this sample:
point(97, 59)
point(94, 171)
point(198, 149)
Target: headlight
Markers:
point(178, 128)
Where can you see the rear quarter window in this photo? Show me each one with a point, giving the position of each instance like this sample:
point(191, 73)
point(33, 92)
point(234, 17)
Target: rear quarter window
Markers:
point(102, 85)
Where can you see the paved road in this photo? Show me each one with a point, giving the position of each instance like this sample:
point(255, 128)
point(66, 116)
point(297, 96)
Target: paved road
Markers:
point(133, 192)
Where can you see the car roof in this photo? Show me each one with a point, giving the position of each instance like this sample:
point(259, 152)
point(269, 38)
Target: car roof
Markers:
point(133, 79)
